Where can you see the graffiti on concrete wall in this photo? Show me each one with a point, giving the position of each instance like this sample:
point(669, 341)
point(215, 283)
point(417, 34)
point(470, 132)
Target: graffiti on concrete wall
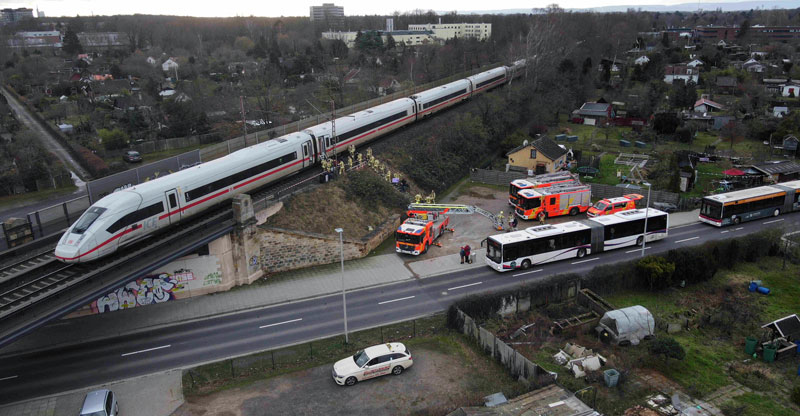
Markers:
point(143, 291)
point(214, 278)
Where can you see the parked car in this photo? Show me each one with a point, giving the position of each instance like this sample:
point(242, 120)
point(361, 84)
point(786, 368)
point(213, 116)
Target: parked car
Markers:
point(132, 156)
point(379, 360)
point(100, 403)
point(613, 205)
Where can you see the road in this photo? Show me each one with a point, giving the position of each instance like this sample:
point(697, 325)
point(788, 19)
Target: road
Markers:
point(27, 375)
point(47, 140)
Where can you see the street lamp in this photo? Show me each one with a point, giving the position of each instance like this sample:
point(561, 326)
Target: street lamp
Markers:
point(344, 299)
point(646, 214)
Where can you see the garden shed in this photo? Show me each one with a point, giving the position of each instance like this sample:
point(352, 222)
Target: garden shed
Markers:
point(627, 325)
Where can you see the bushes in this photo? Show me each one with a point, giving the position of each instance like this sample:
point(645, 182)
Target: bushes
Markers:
point(657, 271)
point(373, 190)
point(93, 163)
point(667, 348)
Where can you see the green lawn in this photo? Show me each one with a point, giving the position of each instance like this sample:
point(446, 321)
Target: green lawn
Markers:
point(754, 404)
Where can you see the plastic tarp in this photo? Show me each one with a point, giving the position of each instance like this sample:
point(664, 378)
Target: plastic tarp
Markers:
point(629, 324)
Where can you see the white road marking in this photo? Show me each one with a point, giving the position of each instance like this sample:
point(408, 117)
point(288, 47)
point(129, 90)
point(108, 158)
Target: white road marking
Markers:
point(686, 239)
point(147, 350)
point(726, 231)
point(584, 261)
point(280, 323)
point(770, 222)
point(532, 271)
point(638, 249)
point(461, 287)
point(395, 300)
point(737, 229)
point(8, 378)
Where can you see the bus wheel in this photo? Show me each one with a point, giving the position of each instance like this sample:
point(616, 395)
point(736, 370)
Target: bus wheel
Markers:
point(581, 252)
point(574, 211)
point(737, 220)
point(639, 241)
point(526, 264)
point(776, 213)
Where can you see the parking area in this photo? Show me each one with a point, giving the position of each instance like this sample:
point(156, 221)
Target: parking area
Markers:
point(446, 374)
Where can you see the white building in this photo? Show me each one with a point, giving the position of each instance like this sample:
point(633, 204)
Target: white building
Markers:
point(409, 37)
point(445, 31)
point(169, 65)
point(642, 60)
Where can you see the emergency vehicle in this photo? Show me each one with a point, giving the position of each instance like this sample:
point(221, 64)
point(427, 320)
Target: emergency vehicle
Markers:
point(420, 230)
point(553, 201)
point(379, 360)
point(544, 180)
point(613, 205)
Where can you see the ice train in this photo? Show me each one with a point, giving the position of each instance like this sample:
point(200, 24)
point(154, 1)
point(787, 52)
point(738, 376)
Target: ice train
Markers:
point(125, 216)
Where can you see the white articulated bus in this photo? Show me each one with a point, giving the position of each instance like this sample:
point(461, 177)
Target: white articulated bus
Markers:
point(574, 239)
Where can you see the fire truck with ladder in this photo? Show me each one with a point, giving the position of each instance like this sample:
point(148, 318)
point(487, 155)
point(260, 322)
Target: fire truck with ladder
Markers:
point(427, 222)
point(553, 201)
point(544, 180)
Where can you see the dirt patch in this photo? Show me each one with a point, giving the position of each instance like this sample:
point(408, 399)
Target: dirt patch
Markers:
point(440, 381)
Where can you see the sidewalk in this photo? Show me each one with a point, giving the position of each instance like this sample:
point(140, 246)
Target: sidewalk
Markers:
point(289, 286)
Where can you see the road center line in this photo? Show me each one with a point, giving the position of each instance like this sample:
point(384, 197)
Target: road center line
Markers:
point(147, 350)
point(638, 249)
point(280, 323)
point(726, 231)
point(463, 286)
point(8, 378)
point(584, 261)
point(686, 239)
point(521, 274)
point(737, 229)
point(395, 300)
point(770, 222)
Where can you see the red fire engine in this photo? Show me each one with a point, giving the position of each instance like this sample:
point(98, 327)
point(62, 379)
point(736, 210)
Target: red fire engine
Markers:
point(545, 180)
point(553, 201)
point(420, 230)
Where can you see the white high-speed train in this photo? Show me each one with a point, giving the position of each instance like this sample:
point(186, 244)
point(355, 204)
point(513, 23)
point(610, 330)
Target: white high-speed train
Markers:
point(133, 213)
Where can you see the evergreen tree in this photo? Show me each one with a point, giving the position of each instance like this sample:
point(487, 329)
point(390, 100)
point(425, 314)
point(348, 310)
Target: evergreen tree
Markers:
point(72, 45)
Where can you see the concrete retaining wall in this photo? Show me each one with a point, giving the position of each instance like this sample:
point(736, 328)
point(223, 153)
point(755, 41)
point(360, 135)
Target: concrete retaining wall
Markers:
point(283, 250)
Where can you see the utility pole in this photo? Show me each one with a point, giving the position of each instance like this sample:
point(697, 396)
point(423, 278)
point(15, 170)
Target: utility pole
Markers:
point(244, 119)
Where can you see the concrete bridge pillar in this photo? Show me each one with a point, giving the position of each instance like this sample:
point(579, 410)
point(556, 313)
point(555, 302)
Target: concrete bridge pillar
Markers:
point(245, 246)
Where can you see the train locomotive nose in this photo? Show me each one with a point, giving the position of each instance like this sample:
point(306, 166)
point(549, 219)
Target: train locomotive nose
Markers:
point(74, 251)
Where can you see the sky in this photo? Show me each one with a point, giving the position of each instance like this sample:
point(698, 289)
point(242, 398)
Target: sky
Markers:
point(272, 8)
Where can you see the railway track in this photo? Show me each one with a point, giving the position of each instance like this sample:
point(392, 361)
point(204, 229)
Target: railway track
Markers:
point(52, 277)
point(21, 266)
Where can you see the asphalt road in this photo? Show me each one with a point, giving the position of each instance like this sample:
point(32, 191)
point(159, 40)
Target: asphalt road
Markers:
point(36, 374)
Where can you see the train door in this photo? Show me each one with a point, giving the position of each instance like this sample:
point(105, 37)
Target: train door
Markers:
point(173, 206)
point(323, 149)
point(308, 155)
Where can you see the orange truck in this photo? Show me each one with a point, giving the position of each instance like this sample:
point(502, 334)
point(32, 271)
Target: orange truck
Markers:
point(420, 230)
point(613, 205)
point(553, 201)
point(544, 180)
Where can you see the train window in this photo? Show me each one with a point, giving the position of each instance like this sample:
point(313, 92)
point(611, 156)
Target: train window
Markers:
point(173, 201)
point(240, 176)
point(305, 150)
point(136, 216)
point(86, 220)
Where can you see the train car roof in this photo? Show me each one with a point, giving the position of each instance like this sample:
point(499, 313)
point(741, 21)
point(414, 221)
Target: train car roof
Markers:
point(357, 119)
point(633, 214)
point(438, 90)
point(744, 193)
point(488, 72)
point(222, 166)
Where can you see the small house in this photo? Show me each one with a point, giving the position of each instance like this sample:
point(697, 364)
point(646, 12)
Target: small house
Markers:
point(152, 61)
point(778, 171)
point(642, 60)
point(726, 85)
point(779, 112)
point(598, 113)
point(705, 105)
point(790, 143)
point(542, 155)
point(751, 65)
point(695, 63)
point(673, 72)
point(169, 65)
point(790, 90)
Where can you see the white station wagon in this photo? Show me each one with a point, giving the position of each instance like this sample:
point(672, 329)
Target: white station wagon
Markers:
point(371, 362)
